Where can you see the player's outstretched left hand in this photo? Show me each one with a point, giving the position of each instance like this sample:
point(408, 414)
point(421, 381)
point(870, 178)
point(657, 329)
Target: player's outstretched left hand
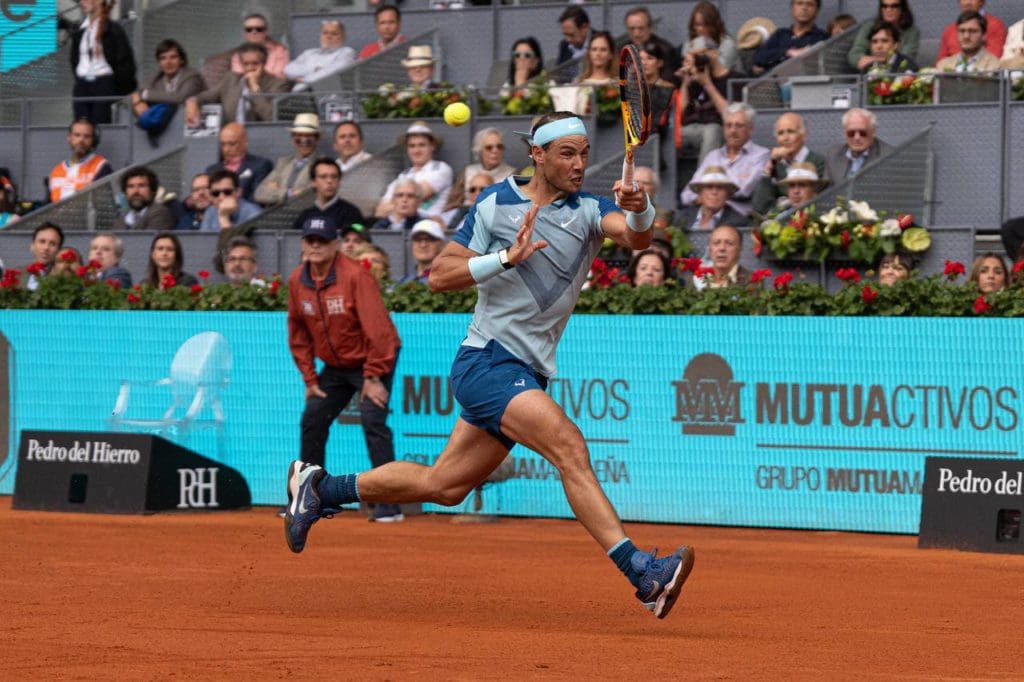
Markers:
point(525, 246)
point(630, 198)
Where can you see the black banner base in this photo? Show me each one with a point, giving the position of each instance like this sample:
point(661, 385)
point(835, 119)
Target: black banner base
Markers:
point(972, 504)
point(120, 473)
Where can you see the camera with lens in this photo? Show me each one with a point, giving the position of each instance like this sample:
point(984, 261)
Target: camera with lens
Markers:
point(701, 62)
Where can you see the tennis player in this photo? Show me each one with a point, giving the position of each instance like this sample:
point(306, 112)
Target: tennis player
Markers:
point(527, 245)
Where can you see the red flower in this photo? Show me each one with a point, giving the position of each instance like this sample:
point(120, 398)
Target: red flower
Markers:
point(114, 283)
point(905, 220)
point(953, 269)
point(981, 305)
point(868, 293)
point(624, 279)
point(274, 286)
point(799, 221)
point(883, 89)
point(366, 263)
point(758, 275)
point(781, 283)
point(848, 275)
point(82, 271)
point(36, 269)
point(168, 281)
point(95, 265)
point(844, 239)
point(204, 274)
point(196, 288)
point(132, 298)
point(701, 272)
point(908, 81)
point(137, 287)
point(1018, 266)
point(598, 266)
point(691, 264)
point(757, 244)
point(67, 255)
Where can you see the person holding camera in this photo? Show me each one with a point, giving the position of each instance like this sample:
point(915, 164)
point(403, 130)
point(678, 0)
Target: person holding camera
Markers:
point(700, 103)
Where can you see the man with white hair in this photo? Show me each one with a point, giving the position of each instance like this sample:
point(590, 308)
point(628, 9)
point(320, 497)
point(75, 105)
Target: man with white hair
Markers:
point(741, 158)
point(489, 148)
point(106, 248)
point(405, 207)
point(317, 62)
point(862, 146)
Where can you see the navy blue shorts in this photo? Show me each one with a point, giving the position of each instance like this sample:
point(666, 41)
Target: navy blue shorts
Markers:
point(485, 380)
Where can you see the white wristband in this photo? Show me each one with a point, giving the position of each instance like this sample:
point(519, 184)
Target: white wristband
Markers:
point(641, 222)
point(484, 267)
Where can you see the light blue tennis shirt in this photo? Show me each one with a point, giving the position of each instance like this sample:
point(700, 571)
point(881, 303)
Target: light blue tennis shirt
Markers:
point(526, 308)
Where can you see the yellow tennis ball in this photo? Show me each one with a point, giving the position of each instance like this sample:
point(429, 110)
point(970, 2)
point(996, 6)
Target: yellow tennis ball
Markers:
point(456, 114)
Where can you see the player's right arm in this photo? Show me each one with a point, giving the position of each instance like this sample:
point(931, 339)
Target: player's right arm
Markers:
point(451, 270)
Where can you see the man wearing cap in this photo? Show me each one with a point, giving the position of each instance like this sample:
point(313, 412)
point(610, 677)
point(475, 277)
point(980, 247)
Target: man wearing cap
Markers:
point(336, 314)
point(862, 146)
point(419, 66)
point(290, 176)
point(711, 210)
point(433, 177)
point(318, 62)
point(387, 21)
point(502, 367)
point(325, 179)
point(791, 41)
point(353, 239)
point(790, 135)
point(742, 159)
point(427, 239)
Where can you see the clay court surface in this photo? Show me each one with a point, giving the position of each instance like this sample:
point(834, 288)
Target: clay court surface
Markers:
point(217, 596)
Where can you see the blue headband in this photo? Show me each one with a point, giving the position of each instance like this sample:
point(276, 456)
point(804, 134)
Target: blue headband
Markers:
point(563, 127)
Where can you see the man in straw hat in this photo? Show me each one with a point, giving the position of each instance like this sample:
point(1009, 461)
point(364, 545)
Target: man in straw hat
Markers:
point(502, 367)
point(713, 190)
point(433, 177)
point(419, 66)
point(801, 184)
point(290, 176)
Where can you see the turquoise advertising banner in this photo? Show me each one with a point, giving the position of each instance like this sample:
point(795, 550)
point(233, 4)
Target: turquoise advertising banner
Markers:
point(28, 30)
point(782, 422)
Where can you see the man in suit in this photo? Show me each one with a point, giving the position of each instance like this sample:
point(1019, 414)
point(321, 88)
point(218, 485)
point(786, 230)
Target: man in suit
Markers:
point(862, 146)
point(724, 255)
point(713, 190)
point(790, 137)
point(971, 29)
point(994, 38)
point(245, 97)
point(638, 23)
point(575, 24)
point(235, 157)
point(290, 176)
point(144, 212)
point(106, 248)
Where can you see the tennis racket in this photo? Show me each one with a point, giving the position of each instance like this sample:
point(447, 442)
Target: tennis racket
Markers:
point(636, 107)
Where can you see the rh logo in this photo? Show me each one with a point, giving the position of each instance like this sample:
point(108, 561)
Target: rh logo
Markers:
point(198, 488)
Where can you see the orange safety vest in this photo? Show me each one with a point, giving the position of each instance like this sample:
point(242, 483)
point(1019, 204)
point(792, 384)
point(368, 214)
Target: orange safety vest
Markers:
point(67, 178)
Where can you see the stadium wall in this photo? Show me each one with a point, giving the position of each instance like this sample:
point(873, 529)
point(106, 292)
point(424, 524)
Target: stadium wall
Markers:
point(777, 422)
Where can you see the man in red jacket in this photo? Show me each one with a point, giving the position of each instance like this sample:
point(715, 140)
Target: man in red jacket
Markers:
point(336, 314)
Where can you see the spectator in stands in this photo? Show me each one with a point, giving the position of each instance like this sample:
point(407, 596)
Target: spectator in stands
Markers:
point(707, 36)
point(526, 64)
point(897, 13)
point(241, 262)
point(711, 208)
point(144, 212)
point(379, 262)
point(173, 83)
point(700, 104)
point(235, 157)
point(195, 203)
point(649, 267)
point(638, 23)
point(166, 263)
point(325, 179)
point(388, 24)
point(971, 29)
point(67, 262)
point(1013, 49)
point(724, 252)
point(353, 238)
point(752, 34)
point(801, 184)
point(456, 213)
point(839, 23)
point(993, 32)
point(47, 239)
point(419, 67)
point(790, 135)
point(227, 207)
point(885, 51)
point(256, 31)
point(107, 249)
point(7, 207)
point(348, 142)
point(290, 177)
point(989, 273)
point(862, 146)
point(742, 159)
point(427, 240)
point(791, 41)
point(1012, 234)
point(432, 176)
point(318, 62)
point(404, 206)
point(652, 59)
point(245, 97)
point(575, 25)
point(646, 179)
point(599, 71)
point(894, 267)
point(83, 168)
point(102, 61)
point(489, 150)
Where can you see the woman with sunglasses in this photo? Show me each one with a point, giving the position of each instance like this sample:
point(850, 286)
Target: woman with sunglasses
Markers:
point(527, 63)
point(489, 150)
point(897, 13)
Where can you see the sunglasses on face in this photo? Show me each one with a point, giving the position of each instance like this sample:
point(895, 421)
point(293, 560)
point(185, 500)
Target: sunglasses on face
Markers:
point(403, 195)
point(255, 29)
point(473, 190)
point(856, 133)
point(219, 192)
point(493, 147)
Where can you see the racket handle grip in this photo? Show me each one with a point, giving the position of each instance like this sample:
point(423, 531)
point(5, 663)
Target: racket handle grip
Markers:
point(627, 172)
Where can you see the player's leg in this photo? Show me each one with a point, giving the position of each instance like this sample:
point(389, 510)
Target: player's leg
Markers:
point(535, 420)
point(380, 444)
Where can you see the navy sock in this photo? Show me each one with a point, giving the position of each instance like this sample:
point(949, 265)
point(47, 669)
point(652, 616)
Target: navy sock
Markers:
point(335, 491)
point(622, 555)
